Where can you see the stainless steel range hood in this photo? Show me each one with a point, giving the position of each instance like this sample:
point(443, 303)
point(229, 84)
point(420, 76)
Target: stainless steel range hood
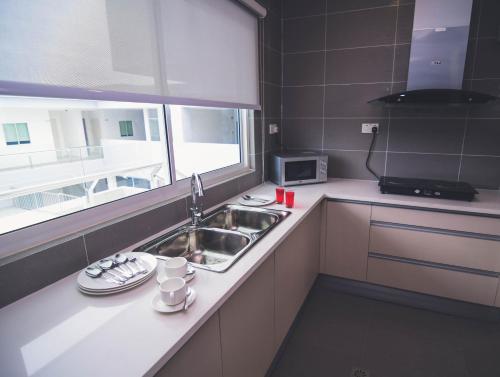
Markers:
point(437, 56)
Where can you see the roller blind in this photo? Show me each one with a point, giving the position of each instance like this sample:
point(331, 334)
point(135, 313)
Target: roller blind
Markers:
point(192, 50)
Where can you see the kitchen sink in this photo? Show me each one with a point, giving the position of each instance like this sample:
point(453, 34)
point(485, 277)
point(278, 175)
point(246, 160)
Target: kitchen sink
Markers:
point(243, 219)
point(222, 237)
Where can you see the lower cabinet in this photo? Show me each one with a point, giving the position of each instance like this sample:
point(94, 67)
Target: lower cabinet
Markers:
point(242, 338)
point(247, 325)
point(200, 356)
point(347, 238)
point(297, 265)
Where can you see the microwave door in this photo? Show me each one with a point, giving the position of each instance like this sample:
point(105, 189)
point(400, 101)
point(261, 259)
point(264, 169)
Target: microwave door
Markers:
point(303, 171)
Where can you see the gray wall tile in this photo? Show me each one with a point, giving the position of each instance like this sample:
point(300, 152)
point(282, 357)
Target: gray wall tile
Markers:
point(351, 164)
point(272, 142)
point(359, 65)
point(272, 66)
point(352, 100)
point(346, 134)
point(483, 137)
point(272, 101)
point(31, 273)
point(272, 31)
point(350, 5)
point(305, 101)
point(427, 135)
point(487, 59)
point(304, 34)
point(481, 171)
point(303, 68)
point(431, 166)
point(302, 133)
point(370, 27)
point(401, 62)
point(405, 23)
point(302, 8)
point(489, 18)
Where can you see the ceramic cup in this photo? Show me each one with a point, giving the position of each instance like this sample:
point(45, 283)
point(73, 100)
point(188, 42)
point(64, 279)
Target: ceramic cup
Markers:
point(175, 267)
point(173, 291)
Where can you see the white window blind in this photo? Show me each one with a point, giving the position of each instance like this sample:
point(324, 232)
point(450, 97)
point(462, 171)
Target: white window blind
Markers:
point(191, 51)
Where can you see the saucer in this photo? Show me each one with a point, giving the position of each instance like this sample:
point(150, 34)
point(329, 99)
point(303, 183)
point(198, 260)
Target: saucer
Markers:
point(266, 200)
point(161, 307)
point(160, 277)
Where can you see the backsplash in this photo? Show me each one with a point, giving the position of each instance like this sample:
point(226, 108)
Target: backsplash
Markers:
point(338, 54)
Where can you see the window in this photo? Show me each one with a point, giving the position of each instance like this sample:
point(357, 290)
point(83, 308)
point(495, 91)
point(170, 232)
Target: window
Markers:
point(126, 128)
point(79, 161)
point(16, 133)
point(204, 139)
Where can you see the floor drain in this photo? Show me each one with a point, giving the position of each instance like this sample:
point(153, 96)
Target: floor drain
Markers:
point(359, 372)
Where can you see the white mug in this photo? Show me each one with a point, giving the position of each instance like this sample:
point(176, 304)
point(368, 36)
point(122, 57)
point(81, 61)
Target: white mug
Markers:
point(175, 267)
point(173, 291)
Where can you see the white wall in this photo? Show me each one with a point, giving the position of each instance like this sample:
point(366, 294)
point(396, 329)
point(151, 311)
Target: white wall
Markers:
point(108, 123)
point(68, 127)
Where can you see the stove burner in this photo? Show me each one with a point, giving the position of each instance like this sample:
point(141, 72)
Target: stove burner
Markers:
point(427, 187)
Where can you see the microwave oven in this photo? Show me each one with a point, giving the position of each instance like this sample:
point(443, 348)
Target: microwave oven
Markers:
point(298, 168)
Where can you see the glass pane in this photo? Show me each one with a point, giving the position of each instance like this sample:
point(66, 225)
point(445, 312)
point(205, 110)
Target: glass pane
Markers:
point(204, 139)
point(130, 129)
point(123, 128)
point(76, 157)
point(10, 133)
point(23, 133)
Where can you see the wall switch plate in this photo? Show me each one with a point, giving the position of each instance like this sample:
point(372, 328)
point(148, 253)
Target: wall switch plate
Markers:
point(366, 128)
point(273, 128)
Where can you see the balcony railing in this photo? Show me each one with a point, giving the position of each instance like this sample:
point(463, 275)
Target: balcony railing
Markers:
point(49, 157)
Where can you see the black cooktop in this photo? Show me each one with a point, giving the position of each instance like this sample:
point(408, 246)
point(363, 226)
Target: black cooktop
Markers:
point(427, 187)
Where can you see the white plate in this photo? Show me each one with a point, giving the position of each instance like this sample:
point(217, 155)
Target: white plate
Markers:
point(160, 306)
point(101, 286)
point(160, 276)
point(104, 293)
point(255, 203)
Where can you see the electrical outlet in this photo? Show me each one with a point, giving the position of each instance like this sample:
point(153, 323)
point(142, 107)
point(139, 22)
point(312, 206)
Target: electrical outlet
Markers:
point(366, 128)
point(273, 129)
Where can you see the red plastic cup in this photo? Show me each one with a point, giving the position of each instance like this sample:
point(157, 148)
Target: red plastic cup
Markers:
point(289, 199)
point(280, 193)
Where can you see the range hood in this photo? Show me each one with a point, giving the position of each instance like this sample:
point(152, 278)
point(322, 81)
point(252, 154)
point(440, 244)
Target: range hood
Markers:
point(437, 56)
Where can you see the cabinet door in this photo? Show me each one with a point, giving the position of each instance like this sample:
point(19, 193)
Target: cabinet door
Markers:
point(297, 265)
point(247, 325)
point(347, 238)
point(200, 356)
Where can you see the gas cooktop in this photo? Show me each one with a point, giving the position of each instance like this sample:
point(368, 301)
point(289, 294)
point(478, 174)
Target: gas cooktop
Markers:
point(427, 187)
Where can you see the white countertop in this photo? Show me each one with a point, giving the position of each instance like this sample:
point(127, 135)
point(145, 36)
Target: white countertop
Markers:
point(58, 331)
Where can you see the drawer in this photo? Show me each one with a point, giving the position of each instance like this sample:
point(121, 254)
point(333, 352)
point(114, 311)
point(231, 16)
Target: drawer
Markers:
point(434, 247)
point(434, 281)
point(431, 219)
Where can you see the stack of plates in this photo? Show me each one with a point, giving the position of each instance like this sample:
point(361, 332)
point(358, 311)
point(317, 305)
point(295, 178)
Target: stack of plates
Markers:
point(99, 286)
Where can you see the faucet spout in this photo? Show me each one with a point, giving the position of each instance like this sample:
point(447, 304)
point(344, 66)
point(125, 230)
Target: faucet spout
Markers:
point(196, 193)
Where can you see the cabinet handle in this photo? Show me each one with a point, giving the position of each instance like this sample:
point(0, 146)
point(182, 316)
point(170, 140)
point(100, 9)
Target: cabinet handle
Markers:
point(441, 266)
point(447, 232)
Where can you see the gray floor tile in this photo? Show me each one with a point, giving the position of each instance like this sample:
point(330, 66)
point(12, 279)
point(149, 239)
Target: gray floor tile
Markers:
point(336, 332)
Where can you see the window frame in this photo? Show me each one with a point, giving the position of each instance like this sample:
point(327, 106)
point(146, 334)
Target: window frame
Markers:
point(18, 138)
point(42, 235)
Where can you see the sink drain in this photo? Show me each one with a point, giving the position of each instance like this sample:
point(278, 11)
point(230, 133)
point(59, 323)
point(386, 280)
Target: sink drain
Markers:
point(360, 372)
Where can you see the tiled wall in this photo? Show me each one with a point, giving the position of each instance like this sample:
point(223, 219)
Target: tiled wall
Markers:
point(31, 273)
point(338, 54)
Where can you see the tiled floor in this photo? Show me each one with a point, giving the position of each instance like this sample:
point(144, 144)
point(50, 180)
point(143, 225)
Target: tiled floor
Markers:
point(337, 332)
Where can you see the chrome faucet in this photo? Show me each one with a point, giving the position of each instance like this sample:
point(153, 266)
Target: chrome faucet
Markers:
point(196, 193)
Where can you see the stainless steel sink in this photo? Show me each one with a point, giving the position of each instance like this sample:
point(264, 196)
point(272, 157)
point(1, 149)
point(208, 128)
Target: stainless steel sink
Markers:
point(243, 219)
point(223, 236)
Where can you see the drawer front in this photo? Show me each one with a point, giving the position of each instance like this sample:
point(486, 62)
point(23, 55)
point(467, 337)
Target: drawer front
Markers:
point(464, 223)
point(434, 281)
point(434, 247)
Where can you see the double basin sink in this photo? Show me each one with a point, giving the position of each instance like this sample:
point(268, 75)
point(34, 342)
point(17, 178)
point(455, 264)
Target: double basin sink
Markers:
point(222, 237)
